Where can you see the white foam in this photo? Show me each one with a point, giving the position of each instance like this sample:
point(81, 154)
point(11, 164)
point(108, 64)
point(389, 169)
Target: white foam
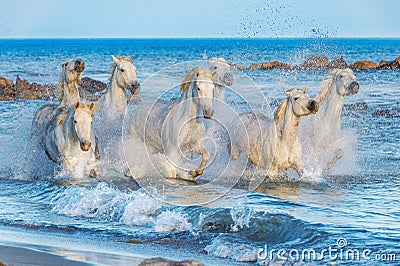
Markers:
point(222, 247)
point(141, 210)
point(169, 221)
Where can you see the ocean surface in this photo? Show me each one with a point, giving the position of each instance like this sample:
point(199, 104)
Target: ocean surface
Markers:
point(354, 208)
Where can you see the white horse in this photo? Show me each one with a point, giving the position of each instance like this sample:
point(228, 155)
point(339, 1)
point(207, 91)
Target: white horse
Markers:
point(67, 91)
point(273, 144)
point(320, 132)
point(111, 107)
point(223, 76)
point(114, 101)
point(69, 139)
point(174, 128)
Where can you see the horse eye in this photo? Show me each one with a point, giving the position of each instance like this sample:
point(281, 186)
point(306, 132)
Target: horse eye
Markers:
point(198, 88)
point(296, 98)
point(75, 121)
point(122, 70)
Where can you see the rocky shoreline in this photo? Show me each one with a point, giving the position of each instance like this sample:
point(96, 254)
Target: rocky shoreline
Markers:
point(321, 62)
point(91, 89)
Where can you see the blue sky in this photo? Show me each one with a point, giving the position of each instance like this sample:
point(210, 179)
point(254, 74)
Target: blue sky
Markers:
point(199, 18)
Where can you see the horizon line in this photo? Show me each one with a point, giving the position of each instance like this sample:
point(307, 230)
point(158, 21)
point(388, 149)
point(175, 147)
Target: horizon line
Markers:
point(196, 37)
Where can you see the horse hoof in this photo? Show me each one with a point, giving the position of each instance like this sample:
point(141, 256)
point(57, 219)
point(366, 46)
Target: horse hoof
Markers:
point(94, 174)
point(171, 174)
point(196, 173)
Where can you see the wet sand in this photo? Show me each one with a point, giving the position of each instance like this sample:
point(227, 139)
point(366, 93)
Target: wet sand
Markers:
point(23, 256)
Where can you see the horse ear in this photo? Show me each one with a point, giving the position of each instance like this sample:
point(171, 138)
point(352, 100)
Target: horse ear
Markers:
point(116, 60)
point(63, 64)
point(77, 105)
point(93, 107)
point(304, 89)
point(288, 92)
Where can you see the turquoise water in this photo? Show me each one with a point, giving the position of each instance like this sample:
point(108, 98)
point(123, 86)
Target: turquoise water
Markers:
point(358, 202)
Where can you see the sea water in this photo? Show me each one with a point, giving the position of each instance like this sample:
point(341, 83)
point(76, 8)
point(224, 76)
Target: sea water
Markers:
point(353, 208)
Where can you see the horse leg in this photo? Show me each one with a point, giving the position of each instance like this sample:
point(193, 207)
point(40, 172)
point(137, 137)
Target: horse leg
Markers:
point(299, 168)
point(205, 158)
point(94, 173)
point(233, 151)
point(338, 155)
point(96, 149)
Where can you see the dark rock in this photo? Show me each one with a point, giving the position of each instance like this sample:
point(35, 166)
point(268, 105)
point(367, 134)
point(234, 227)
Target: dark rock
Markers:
point(26, 91)
point(383, 65)
point(165, 262)
point(337, 63)
point(275, 65)
point(6, 83)
point(363, 65)
point(91, 89)
point(395, 64)
point(254, 66)
point(241, 67)
point(356, 106)
point(134, 241)
point(385, 113)
point(314, 62)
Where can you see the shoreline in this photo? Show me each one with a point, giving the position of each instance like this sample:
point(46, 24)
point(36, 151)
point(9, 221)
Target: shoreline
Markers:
point(13, 255)
point(27, 246)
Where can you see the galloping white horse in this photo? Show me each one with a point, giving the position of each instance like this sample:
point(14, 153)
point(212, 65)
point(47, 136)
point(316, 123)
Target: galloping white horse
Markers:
point(69, 139)
point(223, 76)
point(177, 127)
point(319, 133)
point(111, 106)
point(113, 103)
point(67, 91)
point(273, 145)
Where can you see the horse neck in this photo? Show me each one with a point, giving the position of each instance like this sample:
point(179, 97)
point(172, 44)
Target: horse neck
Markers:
point(68, 127)
point(192, 107)
point(70, 92)
point(330, 109)
point(115, 96)
point(287, 124)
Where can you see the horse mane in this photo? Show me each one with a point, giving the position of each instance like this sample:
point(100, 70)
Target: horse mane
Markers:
point(281, 109)
point(62, 116)
point(326, 84)
point(60, 91)
point(194, 71)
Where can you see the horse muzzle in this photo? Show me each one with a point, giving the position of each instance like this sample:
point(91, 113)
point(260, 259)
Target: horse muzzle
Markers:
point(134, 88)
point(313, 106)
point(85, 145)
point(228, 79)
point(208, 113)
point(79, 65)
point(354, 87)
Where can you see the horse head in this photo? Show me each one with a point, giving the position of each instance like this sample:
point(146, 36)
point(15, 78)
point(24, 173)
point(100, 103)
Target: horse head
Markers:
point(204, 89)
point(83, 116)
point(223, 74)
point(72, 70)
point(345, 81)
point(302, 104)
point(124, 73)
